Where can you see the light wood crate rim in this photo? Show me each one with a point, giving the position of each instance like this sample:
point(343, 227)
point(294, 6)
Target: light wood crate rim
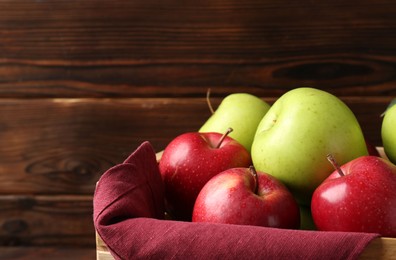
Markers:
point(379, 248)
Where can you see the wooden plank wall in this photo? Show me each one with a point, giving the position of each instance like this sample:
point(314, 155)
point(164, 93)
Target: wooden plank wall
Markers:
point(83, 83)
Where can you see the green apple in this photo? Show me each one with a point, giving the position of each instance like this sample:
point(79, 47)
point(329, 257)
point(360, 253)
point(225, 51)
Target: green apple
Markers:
point(298, 132)
point(388, 132)
point(240, 111)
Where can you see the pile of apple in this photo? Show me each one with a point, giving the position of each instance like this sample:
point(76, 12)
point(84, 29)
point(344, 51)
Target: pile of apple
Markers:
point(256, 164)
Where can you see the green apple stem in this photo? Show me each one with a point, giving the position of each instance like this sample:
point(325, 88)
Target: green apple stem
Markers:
point(229, 130)
point(254, 173)
point(333, 162)
point(208, 101)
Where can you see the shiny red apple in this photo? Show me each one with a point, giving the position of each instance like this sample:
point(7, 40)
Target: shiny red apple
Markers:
point(192, 159)
point(242, 196)
point(359, 196)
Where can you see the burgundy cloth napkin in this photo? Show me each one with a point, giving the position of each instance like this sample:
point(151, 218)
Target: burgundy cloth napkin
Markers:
point(129, 211)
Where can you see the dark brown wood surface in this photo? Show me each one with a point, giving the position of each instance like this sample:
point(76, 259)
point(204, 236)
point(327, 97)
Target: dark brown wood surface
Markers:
point(83, 83)
point(48, 252)
point(151, 48)
point(43, 220)
point(62, 146)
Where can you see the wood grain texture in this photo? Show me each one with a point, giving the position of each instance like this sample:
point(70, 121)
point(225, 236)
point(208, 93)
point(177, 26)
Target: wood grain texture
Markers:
point(380, 248)
point(343, 75)
point(47, 252)
point(179, 48)
point(62, 146)
point(28, 220)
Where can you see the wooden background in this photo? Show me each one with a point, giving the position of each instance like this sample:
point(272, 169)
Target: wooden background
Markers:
point(83, 83)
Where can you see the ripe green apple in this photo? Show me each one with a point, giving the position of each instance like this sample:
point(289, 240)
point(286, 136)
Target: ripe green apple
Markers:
point(301, 128)
point(388, 132)
point(240, 111)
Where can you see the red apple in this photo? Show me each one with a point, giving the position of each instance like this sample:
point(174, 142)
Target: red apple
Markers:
point(360, 196)
point(242, 196)
point(190, 160)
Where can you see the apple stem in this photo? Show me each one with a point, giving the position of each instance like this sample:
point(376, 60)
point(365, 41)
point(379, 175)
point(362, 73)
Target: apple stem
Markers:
point(254, 173)
point(229, 130)
point(333, 162)
point(208, 101)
